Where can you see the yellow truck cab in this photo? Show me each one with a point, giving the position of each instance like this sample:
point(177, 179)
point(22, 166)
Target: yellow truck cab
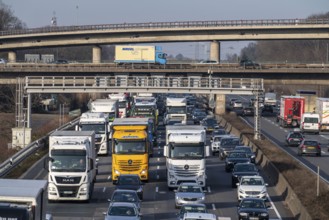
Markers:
point(130, 147)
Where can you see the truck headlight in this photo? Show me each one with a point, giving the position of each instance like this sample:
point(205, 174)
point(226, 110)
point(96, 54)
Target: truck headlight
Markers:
point(117, 172)
point(51, 189)
point(143, 172)
point(171, 175)
point(83, 189)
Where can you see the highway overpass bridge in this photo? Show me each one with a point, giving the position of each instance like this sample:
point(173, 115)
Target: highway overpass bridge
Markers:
point(153, 32)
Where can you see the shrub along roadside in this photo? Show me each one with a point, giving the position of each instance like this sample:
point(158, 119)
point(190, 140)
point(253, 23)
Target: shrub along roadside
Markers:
point(302, 181)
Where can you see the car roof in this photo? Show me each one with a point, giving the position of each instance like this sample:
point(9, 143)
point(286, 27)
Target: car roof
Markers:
point(256, 177)
point(124, 190)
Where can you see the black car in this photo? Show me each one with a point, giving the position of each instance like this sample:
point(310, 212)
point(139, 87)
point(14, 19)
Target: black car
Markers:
point(210, 124)
point(132, 182)
point(249, 64)
point(294, 138)
point(235, 157)
point(227, 144)
point(248, 111)
point(198, 117)
point(243, 169)
point(218, 131)
point(248, 151)
point(253, 208)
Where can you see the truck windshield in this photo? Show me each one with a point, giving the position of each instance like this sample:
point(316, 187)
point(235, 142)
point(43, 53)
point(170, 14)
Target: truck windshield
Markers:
point(177, 110)
point(130, 147)
point(143, 111)
point(68, 160)
point(122, 104)
point(98, 128)
point(111, 116)
point(186, 151)
point(15, 212)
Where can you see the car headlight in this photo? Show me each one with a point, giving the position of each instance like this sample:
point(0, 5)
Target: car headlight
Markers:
point(264, 214)
point(243, 214)
point(139, 189)
point(203, 198)
point(252, 156)
point(241, 191)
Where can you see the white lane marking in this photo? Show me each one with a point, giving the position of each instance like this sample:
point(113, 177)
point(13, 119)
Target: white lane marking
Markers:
point(158, 159)
point(158, 167)
point(213, 206)
point(104, 189)
point(274, 208)
point(156, 189)
point(158, 152)
point(326, 137)
point(209, 191)
point(223, 218)
point(109, 177)
point(158, 177)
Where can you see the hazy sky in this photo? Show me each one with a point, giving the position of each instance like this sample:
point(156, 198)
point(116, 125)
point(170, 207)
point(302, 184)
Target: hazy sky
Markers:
point(38, 13)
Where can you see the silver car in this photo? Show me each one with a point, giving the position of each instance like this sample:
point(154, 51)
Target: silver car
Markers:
point(189, 193)
point(122, 211)
point(215, 143)
point(252, 187)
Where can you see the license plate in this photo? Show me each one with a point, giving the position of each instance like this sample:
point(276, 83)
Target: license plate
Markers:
point(253, 218)
point(296, 139)
point(310, 147)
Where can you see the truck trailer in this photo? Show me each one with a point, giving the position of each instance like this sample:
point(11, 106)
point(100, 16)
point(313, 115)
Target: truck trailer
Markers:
point(71, 165)
point(176, 109)
point(322, 108)
point(23, 199)
point(106, 106)
point(139, 54)
point(186, 153)
point(291, 111)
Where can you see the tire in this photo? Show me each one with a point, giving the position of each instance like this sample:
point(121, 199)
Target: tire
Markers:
point(318, 154)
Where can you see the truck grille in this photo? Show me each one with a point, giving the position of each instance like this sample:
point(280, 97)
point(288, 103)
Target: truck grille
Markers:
point(68, 191)
point(68, 180)
point(181, 170)
point(135, 165)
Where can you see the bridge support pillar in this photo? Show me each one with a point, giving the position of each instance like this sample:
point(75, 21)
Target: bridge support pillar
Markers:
point(12, 56)
point(215, 51)
point(97, 54)
point(220, 104)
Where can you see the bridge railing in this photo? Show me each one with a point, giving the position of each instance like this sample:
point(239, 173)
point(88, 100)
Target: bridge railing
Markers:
point(12, 162)
point(192, 82)
point(152, 25)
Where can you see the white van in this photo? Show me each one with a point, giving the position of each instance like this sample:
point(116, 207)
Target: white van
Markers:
point(310, 122)
point(199, 216)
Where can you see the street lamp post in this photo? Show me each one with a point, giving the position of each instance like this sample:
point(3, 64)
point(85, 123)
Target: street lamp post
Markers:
point(210, 72)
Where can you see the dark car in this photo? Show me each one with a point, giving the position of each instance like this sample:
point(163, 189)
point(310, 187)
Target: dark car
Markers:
point(61, 61)
point(248, 111)
point(248, 151)
point(235, 157)
point(198, 117)
point(243, 169)
point(124, 195)
point(249, 64)
point(218, 131)
point(210, 124)
point(132, 182)
point(294, 138)
point(309, 147)
point(253, 208)
point(227, 145)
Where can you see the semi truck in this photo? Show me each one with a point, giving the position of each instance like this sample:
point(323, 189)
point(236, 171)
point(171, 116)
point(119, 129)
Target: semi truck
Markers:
point(123, 104)
point(107, 106)
point(186, 153)
point(175, 109)
point(322, 108)
point(291, 111)
point(71, 165)
point(139, 54)
point(131, 147)
point(145, 107)
point(98, 122)
point(22, 199)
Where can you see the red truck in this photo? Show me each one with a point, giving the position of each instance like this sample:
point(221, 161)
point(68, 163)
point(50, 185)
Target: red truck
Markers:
point(291, 110)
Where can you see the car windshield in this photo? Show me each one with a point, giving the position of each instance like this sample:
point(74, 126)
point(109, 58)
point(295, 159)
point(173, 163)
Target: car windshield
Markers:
point(244, 149)
point(219, 132)
point(124, 197)
point(121, 211)
point(192, 189)
point(244, 168)
point(230, 142)
point(296, 135)
point(311, 143)
point(211, 122)
point(252, 181)
point(128, 180)
point(237, 155)
point(252, 204)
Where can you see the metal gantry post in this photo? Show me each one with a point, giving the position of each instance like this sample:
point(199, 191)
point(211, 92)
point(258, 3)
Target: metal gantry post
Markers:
point(257, 135)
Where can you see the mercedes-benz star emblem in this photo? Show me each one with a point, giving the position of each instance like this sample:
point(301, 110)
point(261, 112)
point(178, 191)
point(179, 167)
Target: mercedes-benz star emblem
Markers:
point(130, 162)
point(186, 167)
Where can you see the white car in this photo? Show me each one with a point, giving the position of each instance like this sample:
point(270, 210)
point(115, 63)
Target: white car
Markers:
point(198, 216)
point(252, 187)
